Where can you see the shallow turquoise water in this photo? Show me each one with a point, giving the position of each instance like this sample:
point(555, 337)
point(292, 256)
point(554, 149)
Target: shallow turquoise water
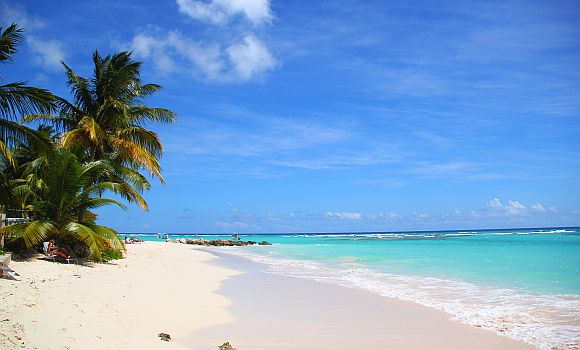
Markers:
point(535, 260)
point(522, 283)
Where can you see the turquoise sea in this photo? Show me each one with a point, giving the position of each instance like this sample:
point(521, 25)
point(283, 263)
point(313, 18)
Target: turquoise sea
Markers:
point(524, 283)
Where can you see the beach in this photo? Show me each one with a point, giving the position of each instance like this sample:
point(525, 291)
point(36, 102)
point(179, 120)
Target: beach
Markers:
point(124, 304)
point(202, 299)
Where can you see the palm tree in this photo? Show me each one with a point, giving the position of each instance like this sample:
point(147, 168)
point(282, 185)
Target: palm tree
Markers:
point(18, 99)
point(107, 117)
point(62, 191)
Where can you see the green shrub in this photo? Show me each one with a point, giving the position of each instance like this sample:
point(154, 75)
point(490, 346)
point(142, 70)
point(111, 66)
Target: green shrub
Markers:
point(112, 254)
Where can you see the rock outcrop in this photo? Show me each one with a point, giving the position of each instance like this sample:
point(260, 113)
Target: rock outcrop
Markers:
point(226, 346)
point(216, 242)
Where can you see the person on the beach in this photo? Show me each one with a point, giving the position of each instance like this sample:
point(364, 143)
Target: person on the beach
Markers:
point(128, 240)
point(54, 250)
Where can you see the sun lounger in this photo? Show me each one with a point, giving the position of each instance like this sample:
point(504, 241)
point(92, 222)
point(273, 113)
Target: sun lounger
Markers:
point(54, 257)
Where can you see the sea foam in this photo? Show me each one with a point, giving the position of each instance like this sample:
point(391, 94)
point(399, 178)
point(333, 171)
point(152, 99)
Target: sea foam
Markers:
point(546, 321)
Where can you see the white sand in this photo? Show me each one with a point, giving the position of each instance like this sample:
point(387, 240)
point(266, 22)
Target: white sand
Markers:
point(176, 289)
point(159, 287)
point(275, 312)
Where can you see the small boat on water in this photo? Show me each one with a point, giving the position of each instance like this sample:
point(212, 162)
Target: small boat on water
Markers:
point(163, 235)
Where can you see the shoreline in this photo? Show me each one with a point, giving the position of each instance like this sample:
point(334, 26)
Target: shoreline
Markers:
point(203, 298)
point(329, 316)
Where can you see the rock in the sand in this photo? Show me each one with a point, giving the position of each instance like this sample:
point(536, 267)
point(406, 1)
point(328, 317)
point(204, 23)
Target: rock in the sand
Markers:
point(226, 346)
point(164, 336)
point(265, 243)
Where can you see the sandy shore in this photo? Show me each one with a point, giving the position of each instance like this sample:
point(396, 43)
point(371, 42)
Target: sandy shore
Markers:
point(275, 312)
point(203, 301)
point(122, 305)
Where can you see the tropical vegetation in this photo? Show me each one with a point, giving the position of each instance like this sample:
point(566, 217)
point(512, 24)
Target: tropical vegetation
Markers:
point(82, 149)
point(17, 99)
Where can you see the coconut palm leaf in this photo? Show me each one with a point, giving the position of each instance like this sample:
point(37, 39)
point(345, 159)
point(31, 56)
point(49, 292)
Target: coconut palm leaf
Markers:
point(32, 233)
point(10, 38)
point(107, 117)
point(19, 99)
point(61, 192)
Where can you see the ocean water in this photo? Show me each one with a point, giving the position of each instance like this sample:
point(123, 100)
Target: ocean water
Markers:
point(522, 283)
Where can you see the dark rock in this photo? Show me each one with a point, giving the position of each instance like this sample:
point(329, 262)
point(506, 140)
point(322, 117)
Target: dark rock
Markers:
point(226, 346)
point(216, 242)
point(164, 336)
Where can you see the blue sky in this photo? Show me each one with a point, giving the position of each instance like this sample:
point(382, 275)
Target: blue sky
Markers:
point(300, 116)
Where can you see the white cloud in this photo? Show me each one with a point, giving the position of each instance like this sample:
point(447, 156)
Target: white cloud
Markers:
point(250, 58)
point(239, 62)
point(343, 215)
point(422, 216)
point(241, 58)
point(451, 168)
point(512, 208)
point(541, 209)
point(15, 12)
point(143, 45)
point(515, 208)
point(390, 216)
point(538, 207)
point(49, 52)
point(495, 203)
point(220, 11)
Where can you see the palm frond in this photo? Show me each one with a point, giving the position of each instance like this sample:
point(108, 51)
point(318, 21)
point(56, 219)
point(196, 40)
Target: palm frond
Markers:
point(143, 114)
point(92, 130)
point(85, 234)
point(80, 88)
point(32, 233)
point(94, 203)
point(12, 134)
point(109, 234)
point(18, 99)
point(133, 177)
point(6, 154)
point(143, 137)
point(74, 138)
point(138, 157)
point(10, 38)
